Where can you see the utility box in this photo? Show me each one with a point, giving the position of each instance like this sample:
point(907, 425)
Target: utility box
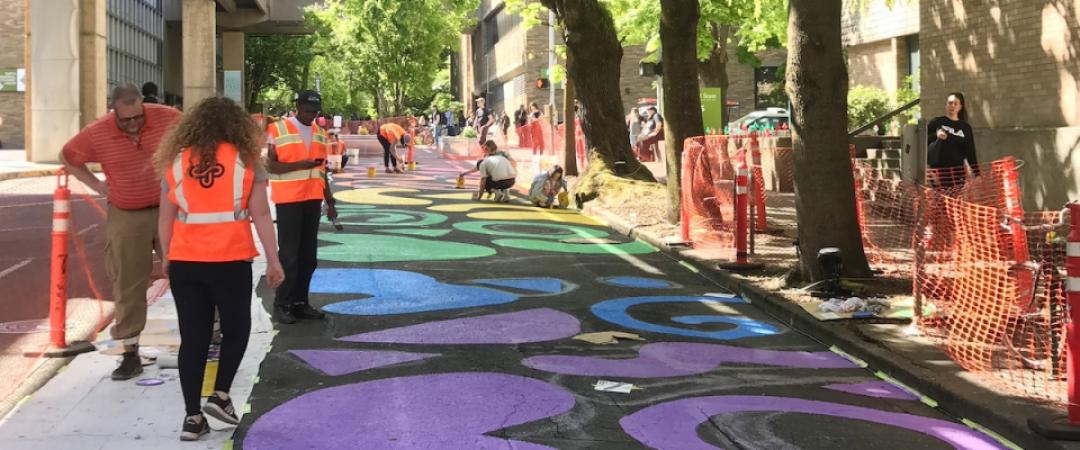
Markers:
point(913, 152)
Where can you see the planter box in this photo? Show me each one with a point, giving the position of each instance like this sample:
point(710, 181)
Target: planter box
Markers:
point(459, 147)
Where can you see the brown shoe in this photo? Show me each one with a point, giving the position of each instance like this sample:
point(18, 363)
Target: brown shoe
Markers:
point(130, 366)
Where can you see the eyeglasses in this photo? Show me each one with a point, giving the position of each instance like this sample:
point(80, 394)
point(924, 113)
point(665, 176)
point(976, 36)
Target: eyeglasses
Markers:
point(127, 120)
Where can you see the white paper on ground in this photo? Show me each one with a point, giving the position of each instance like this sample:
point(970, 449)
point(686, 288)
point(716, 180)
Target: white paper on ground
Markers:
point(613, 386)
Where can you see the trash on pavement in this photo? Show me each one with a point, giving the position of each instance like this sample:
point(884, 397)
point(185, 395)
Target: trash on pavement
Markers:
point(607, 337)
point(614, 386)
point(855, 304)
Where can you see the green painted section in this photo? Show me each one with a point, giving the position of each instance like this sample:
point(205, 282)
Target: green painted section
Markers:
point(629, 248)
point(556, 231)
point(419, 232)
point(368, 248)
point(371, 216)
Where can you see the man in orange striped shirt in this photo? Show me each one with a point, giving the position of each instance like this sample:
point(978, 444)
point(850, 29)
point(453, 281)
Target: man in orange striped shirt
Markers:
point(124, 142)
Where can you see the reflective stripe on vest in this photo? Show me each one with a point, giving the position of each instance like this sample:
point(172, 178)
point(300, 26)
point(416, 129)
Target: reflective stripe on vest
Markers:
point(237, 214)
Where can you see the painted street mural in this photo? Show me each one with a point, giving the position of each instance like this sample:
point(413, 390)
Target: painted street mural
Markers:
point(452, 325)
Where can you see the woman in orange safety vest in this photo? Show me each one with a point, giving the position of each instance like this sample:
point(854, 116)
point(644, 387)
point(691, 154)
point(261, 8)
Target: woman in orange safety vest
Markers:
point(214, 187)
point(391, 135)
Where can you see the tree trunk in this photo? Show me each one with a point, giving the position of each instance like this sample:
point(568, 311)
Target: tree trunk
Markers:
point(591, 42)
point(569, 128)
point(817, 85)
point(304, 78)
point(714, 69)
point(682, 102)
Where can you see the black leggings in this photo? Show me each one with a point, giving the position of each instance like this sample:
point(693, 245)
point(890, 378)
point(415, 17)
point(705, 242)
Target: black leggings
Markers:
point(199, 288)
point(387, 153)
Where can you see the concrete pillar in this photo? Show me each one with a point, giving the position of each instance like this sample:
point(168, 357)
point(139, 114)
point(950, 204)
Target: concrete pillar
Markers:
point(93, 79)
point(466, 57)
point(232, 62)
point(52, 77)
point(200, 50)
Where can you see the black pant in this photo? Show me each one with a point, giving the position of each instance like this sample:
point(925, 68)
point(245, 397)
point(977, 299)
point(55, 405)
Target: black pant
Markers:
point(298, 231)
point(199, 288)
point(387, 154)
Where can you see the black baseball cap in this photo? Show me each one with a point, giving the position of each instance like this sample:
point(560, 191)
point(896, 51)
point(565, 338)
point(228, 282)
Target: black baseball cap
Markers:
point(309, 98)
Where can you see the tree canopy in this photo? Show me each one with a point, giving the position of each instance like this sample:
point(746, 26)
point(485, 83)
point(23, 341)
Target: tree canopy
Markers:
point(392, 49)
point(758, 24)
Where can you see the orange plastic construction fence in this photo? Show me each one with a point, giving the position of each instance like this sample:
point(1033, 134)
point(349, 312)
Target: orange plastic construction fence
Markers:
point(987, 277)
point(708, 196)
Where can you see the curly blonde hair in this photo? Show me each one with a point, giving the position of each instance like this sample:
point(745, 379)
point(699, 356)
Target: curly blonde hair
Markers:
point(209, 122)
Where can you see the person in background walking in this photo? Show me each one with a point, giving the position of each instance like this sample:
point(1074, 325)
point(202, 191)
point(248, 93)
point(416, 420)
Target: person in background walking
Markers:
point(437, 122)
point(483, 119)
point(214, 186)
point(124, 142)
point(296, 160)
point(391, 135)
point(534, 112)
point(150, 93)
point(951, 144)
point(504, 123)
point(521, 116)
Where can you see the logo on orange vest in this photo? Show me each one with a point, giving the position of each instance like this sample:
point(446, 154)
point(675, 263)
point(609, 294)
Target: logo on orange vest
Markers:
point(206, 174)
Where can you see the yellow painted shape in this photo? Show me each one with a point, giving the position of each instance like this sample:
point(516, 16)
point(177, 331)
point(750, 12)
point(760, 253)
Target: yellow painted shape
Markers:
point(466, 207)
point(534, 215)
point(380, 196)
point(455, 196)
point(209, 377)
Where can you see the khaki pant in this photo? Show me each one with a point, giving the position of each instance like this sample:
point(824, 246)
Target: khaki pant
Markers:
point(130, 240)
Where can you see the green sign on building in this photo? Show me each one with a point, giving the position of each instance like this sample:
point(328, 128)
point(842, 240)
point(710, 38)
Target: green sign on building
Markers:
point(712, 109)
point(12, 80)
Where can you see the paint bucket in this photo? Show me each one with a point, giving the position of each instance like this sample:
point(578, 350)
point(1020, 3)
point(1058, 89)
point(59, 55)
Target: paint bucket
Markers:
point(460, 182)
point(371, 172)
point(564, 199)
point(412, 165)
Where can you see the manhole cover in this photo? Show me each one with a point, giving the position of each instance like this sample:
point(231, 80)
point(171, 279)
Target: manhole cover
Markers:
point(28, 326)
point(590, 241)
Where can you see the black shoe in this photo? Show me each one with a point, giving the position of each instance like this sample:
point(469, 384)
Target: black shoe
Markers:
point(284, 315)
point(221, 409)
point(305, 311)
point(130, 366)
point(194, 428)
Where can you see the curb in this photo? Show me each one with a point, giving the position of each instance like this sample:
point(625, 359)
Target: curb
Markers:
point(29, 173)
point(958, 397)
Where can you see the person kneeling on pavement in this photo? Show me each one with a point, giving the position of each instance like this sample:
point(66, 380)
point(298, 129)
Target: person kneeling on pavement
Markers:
point(497, 174)
point(546, 186)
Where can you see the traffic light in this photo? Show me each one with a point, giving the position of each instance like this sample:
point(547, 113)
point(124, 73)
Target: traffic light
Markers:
point(543, 83)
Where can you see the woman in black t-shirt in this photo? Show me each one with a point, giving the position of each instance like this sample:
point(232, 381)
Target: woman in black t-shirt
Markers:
point(951, 143)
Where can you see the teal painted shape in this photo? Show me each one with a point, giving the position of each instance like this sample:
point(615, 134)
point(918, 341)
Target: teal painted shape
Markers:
point(561, 231)
point(419, 232)
point(367, 215)
point(365, 248)
point(629, 248)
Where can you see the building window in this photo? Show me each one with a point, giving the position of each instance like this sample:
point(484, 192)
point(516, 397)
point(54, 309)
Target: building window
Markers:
point(913, 60)
point(769, 88)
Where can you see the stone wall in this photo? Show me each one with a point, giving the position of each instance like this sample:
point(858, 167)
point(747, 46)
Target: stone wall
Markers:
point(12, 48)
point(1018, 64)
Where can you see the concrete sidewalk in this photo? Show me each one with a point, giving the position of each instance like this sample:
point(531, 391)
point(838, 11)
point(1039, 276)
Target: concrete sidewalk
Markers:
point(13, 164)
point(81, 407)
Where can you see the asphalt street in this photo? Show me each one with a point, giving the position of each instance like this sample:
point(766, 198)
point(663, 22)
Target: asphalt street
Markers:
point(452, 325)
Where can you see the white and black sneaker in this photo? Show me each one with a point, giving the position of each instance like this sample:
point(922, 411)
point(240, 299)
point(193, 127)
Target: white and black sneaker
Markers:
point(194, 428)
point(221, 409)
